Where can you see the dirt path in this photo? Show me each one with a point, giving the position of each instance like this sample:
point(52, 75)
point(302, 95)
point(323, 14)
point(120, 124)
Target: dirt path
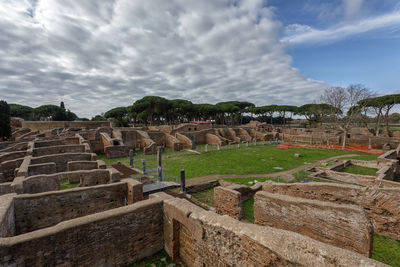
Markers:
point(282, 174)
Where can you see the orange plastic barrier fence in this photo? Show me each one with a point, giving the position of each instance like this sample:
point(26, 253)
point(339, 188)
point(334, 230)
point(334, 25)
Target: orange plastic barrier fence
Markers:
point(354, 148)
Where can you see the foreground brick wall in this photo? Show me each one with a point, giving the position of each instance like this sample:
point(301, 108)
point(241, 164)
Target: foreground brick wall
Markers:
point(42, 210)
point(115, 237)
point(345, 226)
point(381, 204)
point(203, 238)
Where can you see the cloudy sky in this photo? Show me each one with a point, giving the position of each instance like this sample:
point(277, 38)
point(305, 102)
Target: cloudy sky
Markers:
point(96, 55)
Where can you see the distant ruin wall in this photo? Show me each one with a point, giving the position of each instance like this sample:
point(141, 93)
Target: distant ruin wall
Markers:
point(49, 125)
point(381, 204)
point(115, 237)
point(345, 226)
point(50, 150)
point(61, 160)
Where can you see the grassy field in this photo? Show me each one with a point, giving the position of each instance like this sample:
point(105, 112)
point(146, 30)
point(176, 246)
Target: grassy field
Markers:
point(206, 196)
point(386, 250)
point(230, 160)
point(64, 184)
point(359, 170)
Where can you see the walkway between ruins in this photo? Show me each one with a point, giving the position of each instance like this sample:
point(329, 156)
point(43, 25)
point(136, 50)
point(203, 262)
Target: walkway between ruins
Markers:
point(283, 174)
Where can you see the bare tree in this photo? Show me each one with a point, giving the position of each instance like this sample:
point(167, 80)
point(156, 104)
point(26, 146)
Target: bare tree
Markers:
point(344, 101)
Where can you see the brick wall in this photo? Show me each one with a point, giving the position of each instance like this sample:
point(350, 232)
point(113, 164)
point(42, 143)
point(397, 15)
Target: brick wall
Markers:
point(41, 144)
point(7, 223)
point(345, 226)
point(81, 165)
point(228, 201)
point(50, 150)
point(203, 238)
point(37, 211)
point(381, 204)
point(61, 160)
point(42, 168)
point(116, 237)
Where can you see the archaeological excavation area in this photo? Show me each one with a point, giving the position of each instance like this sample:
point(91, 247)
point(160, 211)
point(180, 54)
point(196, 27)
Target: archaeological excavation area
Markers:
point(60, 205)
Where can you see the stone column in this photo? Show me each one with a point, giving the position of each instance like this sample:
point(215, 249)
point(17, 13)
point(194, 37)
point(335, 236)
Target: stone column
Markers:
point(218, 147)
point(370, 143)
point(131, 158)
point(247, 144)
point(159, 163)
point(144, 166)
point(238, 145)
point(206, 148)
point(183, 182)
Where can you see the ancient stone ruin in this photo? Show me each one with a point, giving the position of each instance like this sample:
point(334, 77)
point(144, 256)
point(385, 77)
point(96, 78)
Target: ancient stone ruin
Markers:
point(108, 220)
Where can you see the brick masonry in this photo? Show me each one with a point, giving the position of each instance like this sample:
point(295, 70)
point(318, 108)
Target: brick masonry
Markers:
point(381, 204)
point(345, 226)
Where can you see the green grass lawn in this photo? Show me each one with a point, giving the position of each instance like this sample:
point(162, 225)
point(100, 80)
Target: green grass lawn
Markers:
point(246, 160)
point(248, 210)
point(206, 196)
point(64, 184)
point(386, 250)
point(359, 170)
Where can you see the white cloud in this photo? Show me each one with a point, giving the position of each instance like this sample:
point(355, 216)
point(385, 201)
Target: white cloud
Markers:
point(296, 34)
point(352, 7)
point(95, 55)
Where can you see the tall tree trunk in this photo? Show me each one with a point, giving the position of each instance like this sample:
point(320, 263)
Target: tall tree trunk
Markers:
point(344, 139)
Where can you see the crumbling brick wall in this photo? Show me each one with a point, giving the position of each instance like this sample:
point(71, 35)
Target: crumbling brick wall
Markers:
point(116, 237)
point(208, 239)
point(50, 150)
point(42, 210)
point(345, 226)
point(228, 201)
point(381, 204)
point(61, 160)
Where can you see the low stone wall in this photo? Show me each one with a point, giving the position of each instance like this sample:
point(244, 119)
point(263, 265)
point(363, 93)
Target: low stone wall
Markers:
point(12, 156)
point(116, 237)
point(364, 180)
point(228, 201)
point(345, 226)
point(61, 160)
point(50, 150)
point(6, 188)
point(42, 168)
point(203, 238)
point(201, 187)
point(38, 211)
point(81, 165)
point(48, 143)
point(8, 169)
point(381, 204)
point(116, 151)
point(50, 125)
point(184, 140)
point(7, 224)
point(213, 139)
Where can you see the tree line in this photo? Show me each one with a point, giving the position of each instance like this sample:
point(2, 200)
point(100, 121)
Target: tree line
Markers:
point(42, 113)
point(343, 107)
